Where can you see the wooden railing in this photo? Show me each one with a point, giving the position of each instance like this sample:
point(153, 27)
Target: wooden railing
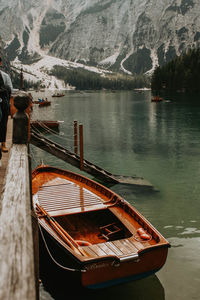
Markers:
point(18, 227)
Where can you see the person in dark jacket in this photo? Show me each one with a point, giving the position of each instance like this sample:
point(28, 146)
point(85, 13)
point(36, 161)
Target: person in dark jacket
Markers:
point(0, 122)
point(6, 89)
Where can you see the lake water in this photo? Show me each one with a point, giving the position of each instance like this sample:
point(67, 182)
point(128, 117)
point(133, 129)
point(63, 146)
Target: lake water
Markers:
point(127, 134)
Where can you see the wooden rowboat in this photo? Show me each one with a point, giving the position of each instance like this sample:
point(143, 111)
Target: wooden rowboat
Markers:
point(92, 233)
point(58, 95)
point(44, 103)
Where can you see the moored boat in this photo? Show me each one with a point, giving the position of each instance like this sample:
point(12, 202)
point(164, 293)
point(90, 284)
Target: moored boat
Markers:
point(157, 99)
point(91, 232)
point(42, 124)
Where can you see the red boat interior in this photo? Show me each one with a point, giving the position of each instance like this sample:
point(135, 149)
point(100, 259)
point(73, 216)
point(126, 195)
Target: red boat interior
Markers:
point(94, 227)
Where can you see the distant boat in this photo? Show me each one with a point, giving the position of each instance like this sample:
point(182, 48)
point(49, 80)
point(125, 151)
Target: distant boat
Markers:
point(94, 235)
point(58, 95)
point(157, 99)
point(44, 103)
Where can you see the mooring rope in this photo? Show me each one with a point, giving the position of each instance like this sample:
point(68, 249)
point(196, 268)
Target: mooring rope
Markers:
point(51, 131)
point(45, 127)
point(51, 256)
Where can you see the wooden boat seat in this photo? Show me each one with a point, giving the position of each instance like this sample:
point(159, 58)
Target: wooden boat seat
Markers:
point(120, 248)
point(62, 196)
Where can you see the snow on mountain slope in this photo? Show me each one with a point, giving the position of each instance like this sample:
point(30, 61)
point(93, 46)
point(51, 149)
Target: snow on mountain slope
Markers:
point(39, 71)
point(132, 36)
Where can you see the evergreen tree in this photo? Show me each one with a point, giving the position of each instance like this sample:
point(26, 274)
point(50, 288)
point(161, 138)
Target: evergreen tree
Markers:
point(182, 73)
point(86, 80)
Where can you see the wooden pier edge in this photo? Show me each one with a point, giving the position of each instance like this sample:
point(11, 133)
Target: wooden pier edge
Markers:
point(18, 252)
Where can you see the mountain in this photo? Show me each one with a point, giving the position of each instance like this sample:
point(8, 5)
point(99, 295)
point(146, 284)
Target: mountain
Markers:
point(5, 61)
point(132, 36)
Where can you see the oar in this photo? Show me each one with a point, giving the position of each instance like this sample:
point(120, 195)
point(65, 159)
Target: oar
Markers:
point(65, 236)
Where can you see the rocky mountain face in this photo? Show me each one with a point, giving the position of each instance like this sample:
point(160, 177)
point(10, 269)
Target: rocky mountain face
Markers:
point(129, 35)
point(5, 61)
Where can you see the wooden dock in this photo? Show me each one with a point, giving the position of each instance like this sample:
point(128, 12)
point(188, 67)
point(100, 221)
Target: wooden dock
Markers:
point(5, 156)
point(19, 264)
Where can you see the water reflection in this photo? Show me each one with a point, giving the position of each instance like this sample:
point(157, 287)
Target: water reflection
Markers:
point(181, 273)
point(149, 288)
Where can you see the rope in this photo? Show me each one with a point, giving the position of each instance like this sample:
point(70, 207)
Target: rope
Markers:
point(51, 256)
point(45, 127)
point(49, 130)
point(35, 130)
point(59, 135)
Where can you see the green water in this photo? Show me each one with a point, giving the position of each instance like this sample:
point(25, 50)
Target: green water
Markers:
point(125, 133)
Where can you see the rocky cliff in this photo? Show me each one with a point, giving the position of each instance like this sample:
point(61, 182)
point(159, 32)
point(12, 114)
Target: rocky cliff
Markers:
point(129, 35)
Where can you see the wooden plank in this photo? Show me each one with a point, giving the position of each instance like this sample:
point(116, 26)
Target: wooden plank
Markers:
point(90, 251)
point(69, 200)
point(69, 203)
point(69, 197)
point(68, 190)
point(129, 246)
point(97, 249)
point(60, 205)
point(17, 277)
point(121, 246)
point(67, 206)
point(117, 251)
point(106, 249)
point(62, 212)
point(138, 245)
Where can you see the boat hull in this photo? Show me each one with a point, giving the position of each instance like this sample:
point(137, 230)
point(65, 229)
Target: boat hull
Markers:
point(107, 274)
point(44, 103)
point(156, 99)
point(98, 274)
point(58, 95)
point(42, 124)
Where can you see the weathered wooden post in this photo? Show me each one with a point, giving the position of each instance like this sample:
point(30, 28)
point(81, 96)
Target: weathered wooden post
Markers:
point(81, 145)
point(17, 266)
point(21, 120)
point(75, 137)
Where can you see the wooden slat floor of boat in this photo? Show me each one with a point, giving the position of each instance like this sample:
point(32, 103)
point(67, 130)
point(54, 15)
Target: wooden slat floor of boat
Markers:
point(118, 248)
point(64, 195)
